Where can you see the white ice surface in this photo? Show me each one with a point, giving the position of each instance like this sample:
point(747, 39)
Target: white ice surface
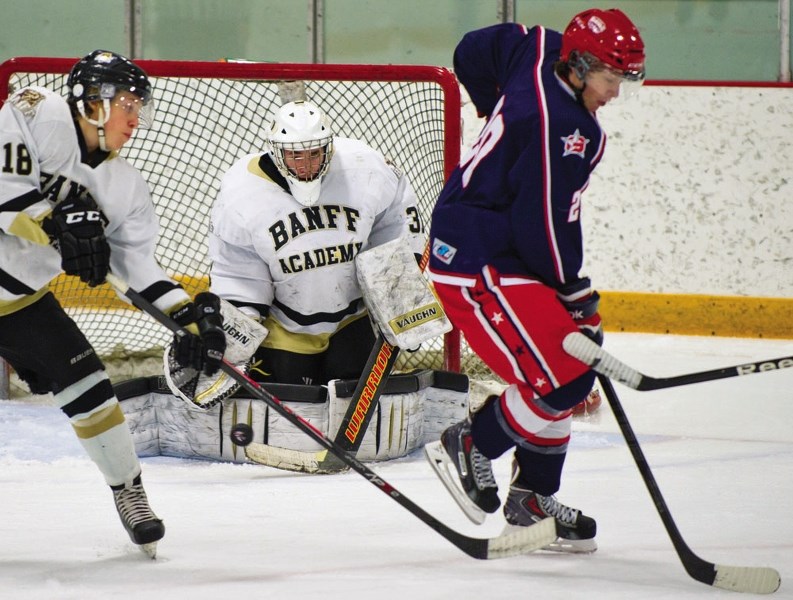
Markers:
point(722, 454)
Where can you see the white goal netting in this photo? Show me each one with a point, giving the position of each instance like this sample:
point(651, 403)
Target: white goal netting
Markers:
point(209, 114)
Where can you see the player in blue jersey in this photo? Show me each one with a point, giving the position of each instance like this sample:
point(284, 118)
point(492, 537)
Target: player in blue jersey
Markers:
point(507, 250)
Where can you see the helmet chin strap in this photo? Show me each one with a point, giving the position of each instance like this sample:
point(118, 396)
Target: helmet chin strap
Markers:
point(578, 67)
point(579, 92)
point(99, 123)
point(100, 132)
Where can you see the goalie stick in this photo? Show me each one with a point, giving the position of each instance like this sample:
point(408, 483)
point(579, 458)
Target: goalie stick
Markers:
point(752, 580)
point(353, 426)
point(584, 349)
point(388, 259)
point(526, 540)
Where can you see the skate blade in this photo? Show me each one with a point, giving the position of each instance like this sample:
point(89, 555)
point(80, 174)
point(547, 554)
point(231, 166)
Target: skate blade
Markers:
point(149, 549)
point(446, 471)
point(572, 546)
point(560, 544)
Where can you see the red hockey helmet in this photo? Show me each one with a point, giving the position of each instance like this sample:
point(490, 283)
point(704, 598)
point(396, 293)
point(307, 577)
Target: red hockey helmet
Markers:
point(607, 35)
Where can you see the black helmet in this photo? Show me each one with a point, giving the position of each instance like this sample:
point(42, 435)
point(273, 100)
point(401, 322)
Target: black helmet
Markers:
point(101, 74)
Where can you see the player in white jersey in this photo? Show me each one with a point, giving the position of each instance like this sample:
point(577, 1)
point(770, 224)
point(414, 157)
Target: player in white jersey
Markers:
point(285, 230)
point(69, 203)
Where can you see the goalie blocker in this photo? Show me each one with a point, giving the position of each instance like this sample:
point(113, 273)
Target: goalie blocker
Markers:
point(413, 410)
point(398, 297)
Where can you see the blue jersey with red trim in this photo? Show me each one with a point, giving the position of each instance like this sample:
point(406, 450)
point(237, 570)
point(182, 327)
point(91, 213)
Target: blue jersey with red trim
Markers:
point(514, 202)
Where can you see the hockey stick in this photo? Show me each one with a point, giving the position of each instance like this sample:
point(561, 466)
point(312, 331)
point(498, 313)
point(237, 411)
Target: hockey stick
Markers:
point(753, 580)
point(353, 426)
point(584, 349)
point(356, 420)
point(526, 540)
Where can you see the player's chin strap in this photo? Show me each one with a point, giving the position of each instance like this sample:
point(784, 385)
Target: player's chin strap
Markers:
point(527, 539)
point(99, 123)
point(579, 67)
point(100, 132)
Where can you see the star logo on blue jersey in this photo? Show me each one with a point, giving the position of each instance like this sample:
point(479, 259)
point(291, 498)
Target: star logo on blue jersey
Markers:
point(574, 144)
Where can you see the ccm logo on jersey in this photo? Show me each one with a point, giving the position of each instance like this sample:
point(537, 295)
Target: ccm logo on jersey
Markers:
point(574, 144)
point(771, 365)
point(443, 251)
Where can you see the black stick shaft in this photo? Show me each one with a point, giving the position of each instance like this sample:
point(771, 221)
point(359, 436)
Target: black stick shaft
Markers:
point(588, 352)
point(475, 547)
point(696, 567)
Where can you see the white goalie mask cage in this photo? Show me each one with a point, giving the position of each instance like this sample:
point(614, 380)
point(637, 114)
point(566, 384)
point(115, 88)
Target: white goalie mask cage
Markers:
point(301, 127)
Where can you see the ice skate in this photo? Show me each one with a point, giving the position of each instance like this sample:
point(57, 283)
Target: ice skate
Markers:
point(142, 525)
point(576, 532)
point(474, 487)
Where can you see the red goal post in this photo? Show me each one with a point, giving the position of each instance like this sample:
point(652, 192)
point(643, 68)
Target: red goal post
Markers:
point(210, 113)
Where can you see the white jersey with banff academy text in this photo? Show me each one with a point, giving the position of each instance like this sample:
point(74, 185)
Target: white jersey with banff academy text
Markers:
point(42, 154)
point(267, 249)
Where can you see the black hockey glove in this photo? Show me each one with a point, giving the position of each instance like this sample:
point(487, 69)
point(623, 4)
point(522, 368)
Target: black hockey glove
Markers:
point(581, 301)
point(204, 350)
point(77, 230)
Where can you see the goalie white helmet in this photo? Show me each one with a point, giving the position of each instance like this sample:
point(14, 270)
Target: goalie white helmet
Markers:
point(301, 143)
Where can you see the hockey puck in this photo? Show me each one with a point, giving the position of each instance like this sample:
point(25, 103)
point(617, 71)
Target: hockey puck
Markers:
point(241, 434)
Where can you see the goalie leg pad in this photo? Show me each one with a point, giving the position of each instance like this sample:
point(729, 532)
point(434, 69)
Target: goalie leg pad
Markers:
point(164, 425)
point(414, 410)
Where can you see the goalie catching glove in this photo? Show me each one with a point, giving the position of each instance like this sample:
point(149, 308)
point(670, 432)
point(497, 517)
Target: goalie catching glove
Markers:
point(241, 337)
point(76, 229)
point(204, 349)
point(581, 301)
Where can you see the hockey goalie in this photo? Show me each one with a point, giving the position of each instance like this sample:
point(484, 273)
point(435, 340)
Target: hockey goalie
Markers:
point(192, 414)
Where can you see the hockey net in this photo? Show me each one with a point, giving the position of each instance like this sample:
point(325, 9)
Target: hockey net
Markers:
point(208, 114)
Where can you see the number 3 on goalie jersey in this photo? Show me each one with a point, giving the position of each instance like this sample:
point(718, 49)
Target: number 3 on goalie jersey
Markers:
point(414, 224)
point(486, 141)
